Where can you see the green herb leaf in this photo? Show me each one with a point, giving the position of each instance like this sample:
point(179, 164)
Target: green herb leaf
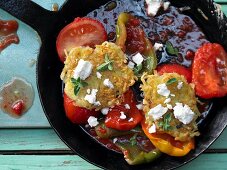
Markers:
point(137, 69)
point(78, 83)
point(165, 124)
point(170, 49)
point(133, 140)
point(171, 81)
point(107, 65)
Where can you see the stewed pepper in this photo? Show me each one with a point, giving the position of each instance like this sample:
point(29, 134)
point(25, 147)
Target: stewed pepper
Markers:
point(167, 144)
point(131, 38)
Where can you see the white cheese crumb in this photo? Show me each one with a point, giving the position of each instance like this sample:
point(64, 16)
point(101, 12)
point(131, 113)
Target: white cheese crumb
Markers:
point(169, 106)
point(123, 116)
point(131, 64)
point(157, 112)
point(91, 98)
point(92, 121)
point(82, 70)
point(173, 95)
point(163, 90)
point(108, 83)
point(138, 58)
point(158, 46)
point(88, 91)
point(166, 5)
point(105, 110)
point(179, 85)
point(99, 75)
point(131, 119)
point(139, 106)
point(152, 129)
point(167, 100)
point(183, 113)
point(127, 106)
point(153, 6)
point(114, 140)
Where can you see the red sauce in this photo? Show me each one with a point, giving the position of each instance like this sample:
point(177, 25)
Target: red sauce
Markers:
point(135, 37)
point(16, 97)
point(8, 33)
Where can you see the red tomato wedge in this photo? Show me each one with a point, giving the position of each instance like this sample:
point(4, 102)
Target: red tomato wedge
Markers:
point(81, 32)
point(209, 71)
point(77, 114)
point(175, 68)
point(133, 115)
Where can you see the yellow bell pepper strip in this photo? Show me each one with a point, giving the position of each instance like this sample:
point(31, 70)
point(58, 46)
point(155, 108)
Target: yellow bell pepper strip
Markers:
point(150, 61)
point(121, 32)
point(166, 143)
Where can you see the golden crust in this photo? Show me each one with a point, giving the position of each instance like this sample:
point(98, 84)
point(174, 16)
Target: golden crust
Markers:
point(185, 95)
point(122, 77)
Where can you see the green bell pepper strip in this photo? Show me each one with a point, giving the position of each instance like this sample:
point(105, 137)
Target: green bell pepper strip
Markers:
point(105, 133)
point(150, 61)
point(134, 155)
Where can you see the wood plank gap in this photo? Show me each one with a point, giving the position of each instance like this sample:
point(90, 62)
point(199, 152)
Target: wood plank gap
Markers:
point(38, 152)
point(69, 152)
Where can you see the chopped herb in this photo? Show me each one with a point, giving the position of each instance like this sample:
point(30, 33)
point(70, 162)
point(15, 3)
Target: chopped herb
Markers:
point(171, 81)
point(78, 83)
point(170, 49)
point(133, 140)
point(107, 65)
point(165, 124)
point(137, 69)
point(179, 126)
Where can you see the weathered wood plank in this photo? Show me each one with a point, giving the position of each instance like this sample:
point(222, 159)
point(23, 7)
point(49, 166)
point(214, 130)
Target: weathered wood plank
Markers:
point(34, 139)
point(46, 139)
point(34, 162)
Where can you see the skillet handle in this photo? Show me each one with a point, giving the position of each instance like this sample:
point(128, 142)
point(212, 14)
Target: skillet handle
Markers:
point(30, 13)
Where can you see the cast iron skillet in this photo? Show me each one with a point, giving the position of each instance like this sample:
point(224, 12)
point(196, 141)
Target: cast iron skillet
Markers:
point(48, 24)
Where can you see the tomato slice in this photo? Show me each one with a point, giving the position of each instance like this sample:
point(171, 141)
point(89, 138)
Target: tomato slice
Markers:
point(209, 71)
point(77, 114)
point(133, 115)
point(175, 68)
point(81, 32)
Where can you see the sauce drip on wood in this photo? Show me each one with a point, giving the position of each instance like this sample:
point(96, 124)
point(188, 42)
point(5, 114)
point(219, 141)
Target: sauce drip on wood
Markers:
point(8, 33)
point(16, 97)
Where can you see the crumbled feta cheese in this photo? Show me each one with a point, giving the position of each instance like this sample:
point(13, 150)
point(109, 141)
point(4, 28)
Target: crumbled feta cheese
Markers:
point(152, 129)
point(158, 46)
point(127, 106)
point(114, 140)
point(167, 100)
point(92, 121)
point(138, 58)
point(88, 91)
point(131, 64)
point(139, 106)
point(123, 116)
point(183, 113)
point(153, 6)
point(157, 112)
point(108, 83)
point(131, 119)
point(173, 95)
point(99, 75)
point(169, 106)
point(82, 70)
point(179, 85)
point(91, 98)
point(163, 90)
point(166, 5)
point(105, 110)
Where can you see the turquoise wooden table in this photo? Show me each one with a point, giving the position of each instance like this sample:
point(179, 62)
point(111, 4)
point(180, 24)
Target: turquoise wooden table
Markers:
point(30, 143)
